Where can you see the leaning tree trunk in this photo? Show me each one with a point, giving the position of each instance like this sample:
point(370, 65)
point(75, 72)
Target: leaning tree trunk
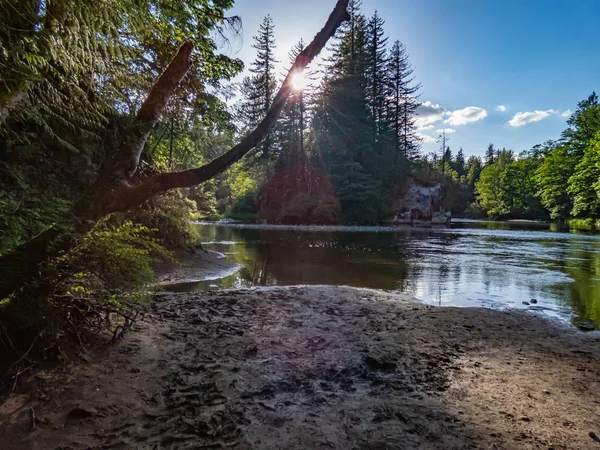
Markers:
point(115, 192)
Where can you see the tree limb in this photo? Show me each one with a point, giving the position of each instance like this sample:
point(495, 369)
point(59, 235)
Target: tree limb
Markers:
point(128, 157)
point(129, 196)
point(113, 191)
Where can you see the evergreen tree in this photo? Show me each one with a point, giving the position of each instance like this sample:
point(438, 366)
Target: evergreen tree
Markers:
point(291, 127)
point(490, 155)
point(403, 103)
point(447, 161)
point(376, 74)
point(473, 168)
point(459, 163)
point(258, 90)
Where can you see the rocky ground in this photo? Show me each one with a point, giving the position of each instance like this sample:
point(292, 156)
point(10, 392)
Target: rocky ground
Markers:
point(320, 368)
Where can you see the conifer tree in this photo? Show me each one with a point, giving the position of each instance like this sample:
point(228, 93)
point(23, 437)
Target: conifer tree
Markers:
point(376, 74)
point(403, 103)
point(258, 90)
point(490, 155)
point(460, 163)
point(293, 119)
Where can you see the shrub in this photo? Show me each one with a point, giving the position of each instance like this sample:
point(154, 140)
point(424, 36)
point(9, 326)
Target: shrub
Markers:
point(327, 212)
point(244, 207)
point(170, 216)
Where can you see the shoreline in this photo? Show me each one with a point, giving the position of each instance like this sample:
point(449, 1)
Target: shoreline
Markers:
point(321, 367)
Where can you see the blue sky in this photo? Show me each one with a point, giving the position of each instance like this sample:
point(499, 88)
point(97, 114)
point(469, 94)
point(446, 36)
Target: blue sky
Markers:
point(500, 71)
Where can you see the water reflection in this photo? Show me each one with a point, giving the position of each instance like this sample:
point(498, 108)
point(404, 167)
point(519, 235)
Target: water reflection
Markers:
point(471, 265)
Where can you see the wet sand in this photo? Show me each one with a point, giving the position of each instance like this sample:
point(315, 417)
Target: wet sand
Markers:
point(320, 367)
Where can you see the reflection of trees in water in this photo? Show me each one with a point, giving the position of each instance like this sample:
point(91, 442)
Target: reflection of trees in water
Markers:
point(583, 266)
point(438, 265)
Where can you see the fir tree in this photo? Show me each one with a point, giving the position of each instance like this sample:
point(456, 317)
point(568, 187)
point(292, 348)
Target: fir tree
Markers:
point(258, 90)
point(293, 119)
point(490, 155)
point(459, 165)
point(376, 74)
point(403, 103)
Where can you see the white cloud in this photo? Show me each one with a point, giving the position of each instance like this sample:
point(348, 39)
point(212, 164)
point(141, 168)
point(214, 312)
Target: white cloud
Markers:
point(446, 130)
point(428, 114)
point(567, 113)
point(428, 127)
point(426, 139)
point(523, 118)
point(501, 108)
point(466, 115)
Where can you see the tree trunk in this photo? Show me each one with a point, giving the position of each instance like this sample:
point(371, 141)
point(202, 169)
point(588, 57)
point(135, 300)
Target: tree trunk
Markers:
point(114, 190)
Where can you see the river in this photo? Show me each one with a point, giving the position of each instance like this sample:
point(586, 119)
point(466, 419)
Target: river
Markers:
point(495, 265)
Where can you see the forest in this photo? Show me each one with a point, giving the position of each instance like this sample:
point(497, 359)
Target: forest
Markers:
point(200, 251)
point(93, 147)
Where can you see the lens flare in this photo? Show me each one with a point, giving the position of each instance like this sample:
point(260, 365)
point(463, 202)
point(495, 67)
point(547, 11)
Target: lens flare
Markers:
point(299, 81)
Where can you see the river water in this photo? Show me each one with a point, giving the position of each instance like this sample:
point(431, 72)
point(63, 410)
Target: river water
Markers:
point(497, 265)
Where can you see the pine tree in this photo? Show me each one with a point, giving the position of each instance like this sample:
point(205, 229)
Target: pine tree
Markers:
point(376, 74)
point(403, 103)
point(490, 155)
point(258, 90)
point(460, 162)
point(292, 126)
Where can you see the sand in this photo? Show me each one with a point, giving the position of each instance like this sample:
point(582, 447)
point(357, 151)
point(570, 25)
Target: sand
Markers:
point(319, 368)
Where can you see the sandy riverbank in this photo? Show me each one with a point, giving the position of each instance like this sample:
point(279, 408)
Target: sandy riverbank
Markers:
point(320, 367)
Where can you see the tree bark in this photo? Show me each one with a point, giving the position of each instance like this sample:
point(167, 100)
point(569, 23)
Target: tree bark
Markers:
point(114, 191)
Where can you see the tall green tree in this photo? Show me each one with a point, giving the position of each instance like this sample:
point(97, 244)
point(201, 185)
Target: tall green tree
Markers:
point(517, 189)
point(115, 188)
point(459, 163)
point(490, 193)
point(473, 168)
point(258, 90)
point(584, 183)
point(403, 103)
point(583, 124)
point(490, 155)
point(292, 125)
point(376, 74)
point(552, 180)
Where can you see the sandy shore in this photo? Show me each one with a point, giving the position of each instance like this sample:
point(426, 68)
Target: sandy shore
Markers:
point(320, 368)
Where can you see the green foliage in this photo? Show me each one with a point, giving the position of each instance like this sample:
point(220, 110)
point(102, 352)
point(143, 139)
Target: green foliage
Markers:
point(170, 215)
point(245, 208)
point(120, 256)
point(360, 196)
point(77, 68)
point(584, 184)
point(552, 179)
point(490, 193)
point(27, 207)
point(584, 224)
point(518, 189)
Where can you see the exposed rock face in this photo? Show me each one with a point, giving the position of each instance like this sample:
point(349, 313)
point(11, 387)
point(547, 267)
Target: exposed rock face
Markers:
point(423, 203)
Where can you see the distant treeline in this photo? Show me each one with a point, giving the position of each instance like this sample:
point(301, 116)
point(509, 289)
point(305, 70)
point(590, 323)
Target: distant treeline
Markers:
point(558, 180)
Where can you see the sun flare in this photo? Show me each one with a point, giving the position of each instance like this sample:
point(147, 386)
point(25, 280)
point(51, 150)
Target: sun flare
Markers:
point(299, 81)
